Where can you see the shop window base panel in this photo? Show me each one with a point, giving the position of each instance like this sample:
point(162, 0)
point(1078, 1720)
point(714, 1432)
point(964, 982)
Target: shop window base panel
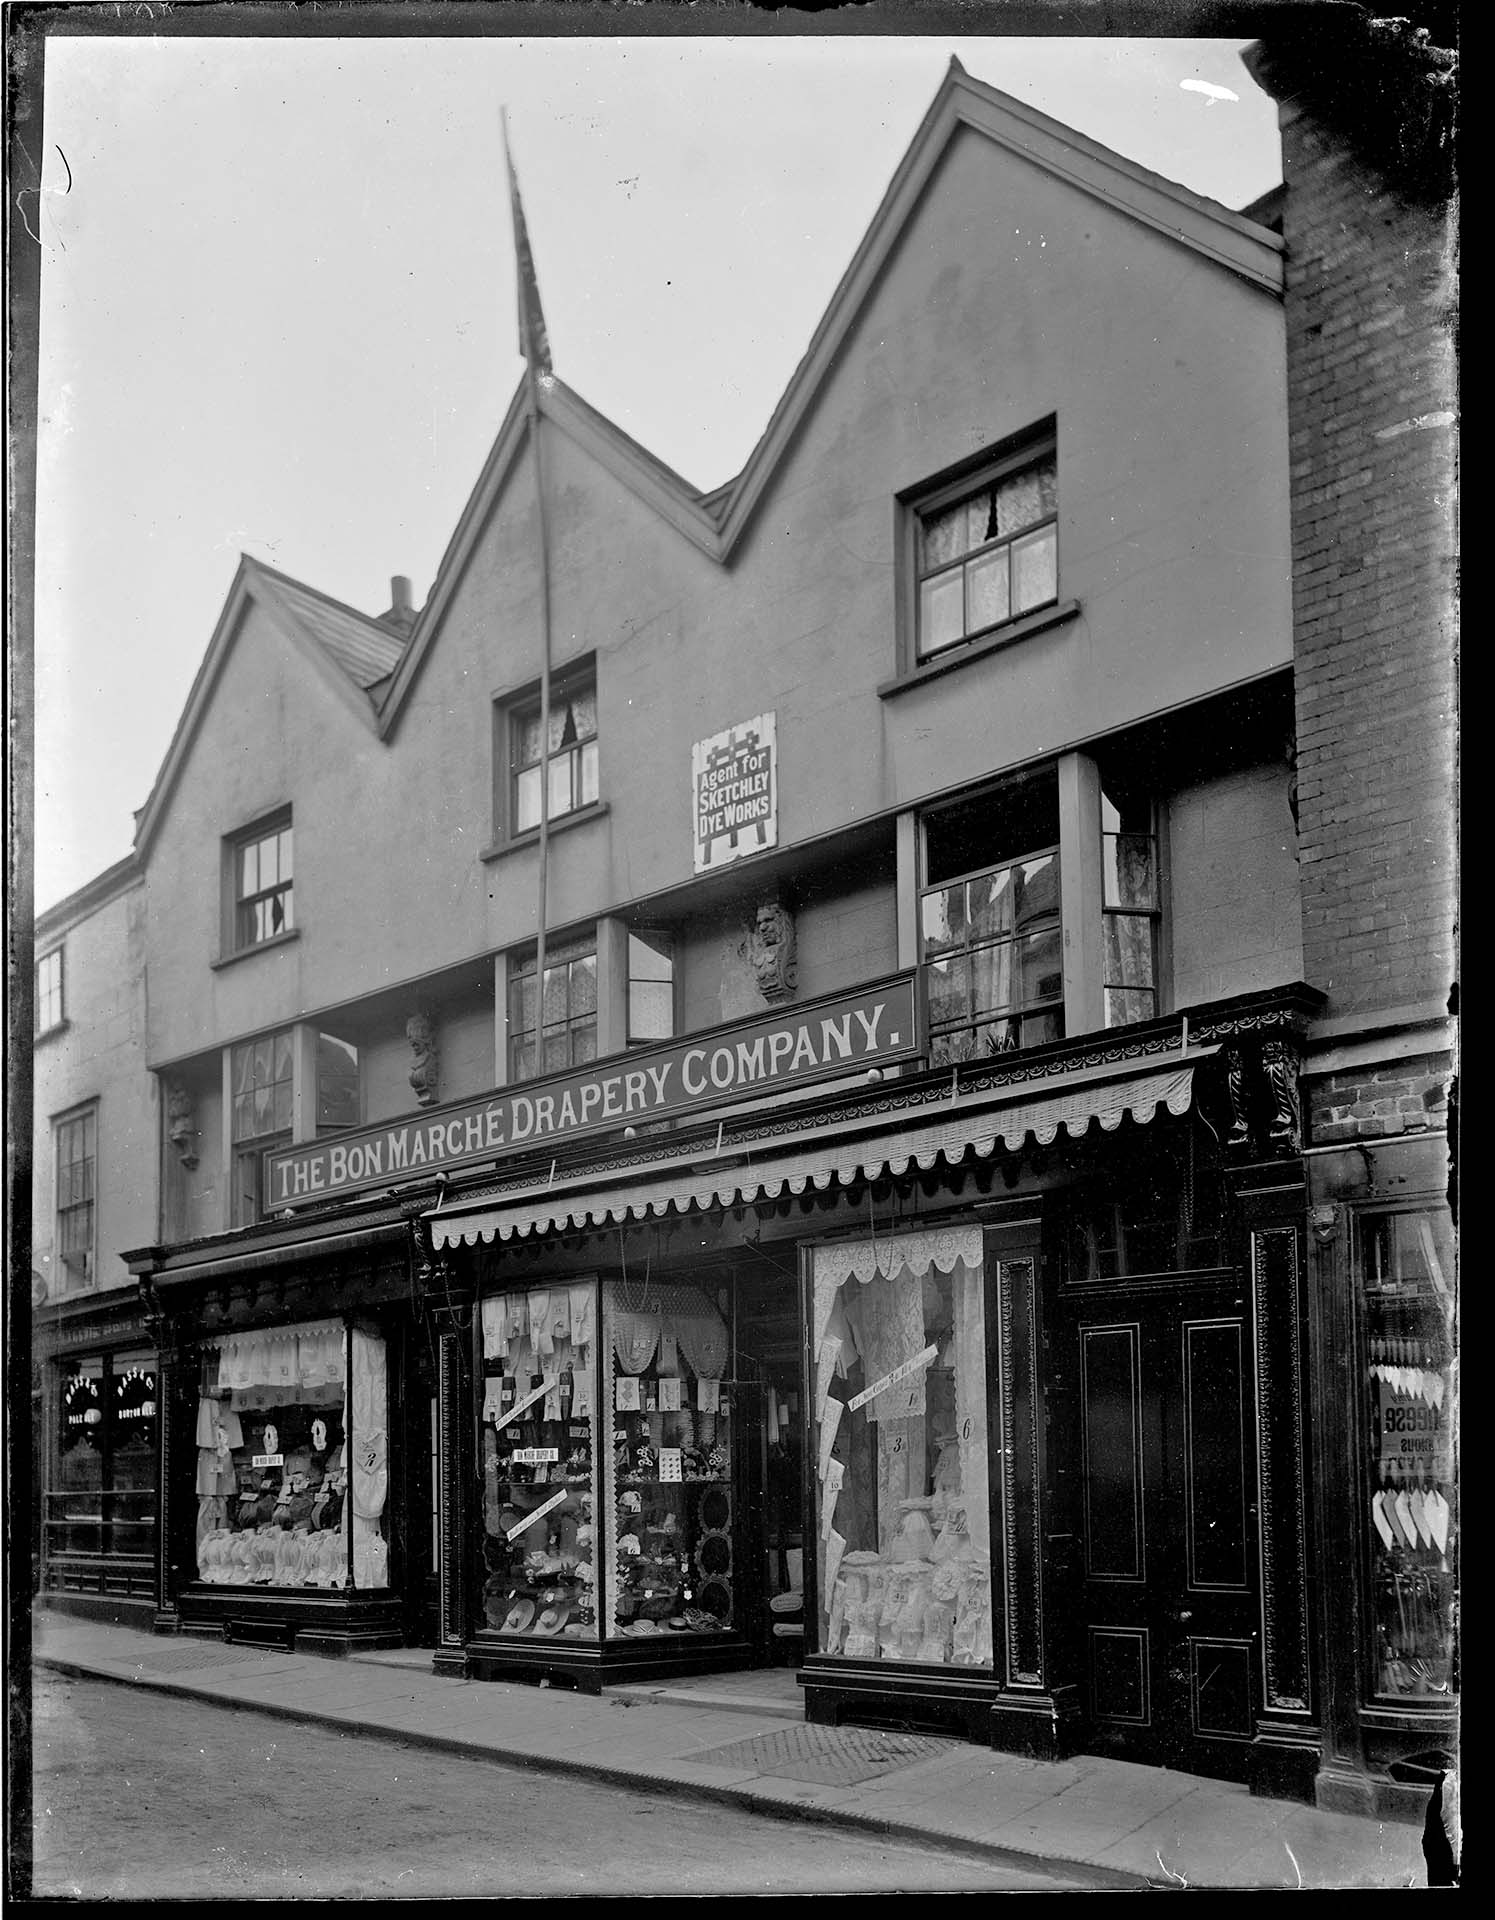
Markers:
point(289, 1622)
point(907, 1699)
point(591, 1667)
point(119, 1610)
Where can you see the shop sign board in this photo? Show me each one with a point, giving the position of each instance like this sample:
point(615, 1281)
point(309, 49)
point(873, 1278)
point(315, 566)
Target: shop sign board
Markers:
point(838, 1035)
point(735, 788)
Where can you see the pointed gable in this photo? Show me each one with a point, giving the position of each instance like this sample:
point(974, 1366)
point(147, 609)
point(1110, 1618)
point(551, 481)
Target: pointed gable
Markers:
point(716, 521)
point(350, 653)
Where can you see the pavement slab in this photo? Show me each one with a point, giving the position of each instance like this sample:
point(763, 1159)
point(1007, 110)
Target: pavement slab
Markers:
point(1124, 1825)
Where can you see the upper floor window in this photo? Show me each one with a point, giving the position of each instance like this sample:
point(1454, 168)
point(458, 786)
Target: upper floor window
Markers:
point(651, 987)
point(76, 1142)
point(989, 921)
point(49, 1010)
point(568, 1011)
point(1130, 905)
point(337, 1083)
point(262, 1079)
point(262, 898)
point(568, 763)
point(986, 551)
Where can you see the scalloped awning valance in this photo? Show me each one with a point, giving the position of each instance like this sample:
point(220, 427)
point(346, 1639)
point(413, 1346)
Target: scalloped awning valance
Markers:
point(520, 1215)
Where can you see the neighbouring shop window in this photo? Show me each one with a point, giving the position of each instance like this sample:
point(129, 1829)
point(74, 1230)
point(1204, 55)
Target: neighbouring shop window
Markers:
point(987, 552)
point(569, 761)
point(1130, 900)
point(262, 1076)
point(541, 1430)
point(1407, 1282)
point(293, 1459)
point(262, 891)
point(568, 1013)
point(670, 1495)
point(76, 1145)
point(102, 1496)
point(651, 987)
point(902, 1462)
point(990, 932)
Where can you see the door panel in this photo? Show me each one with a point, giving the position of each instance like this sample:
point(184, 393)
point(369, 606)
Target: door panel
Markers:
point(1168, 1610)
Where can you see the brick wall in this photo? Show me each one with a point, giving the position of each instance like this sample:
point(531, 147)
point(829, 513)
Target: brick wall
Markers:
point(1371, 392)
point(1404, 1096)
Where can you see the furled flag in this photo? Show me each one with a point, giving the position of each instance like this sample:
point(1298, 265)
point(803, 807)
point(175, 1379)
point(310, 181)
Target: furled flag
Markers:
point(534, 342)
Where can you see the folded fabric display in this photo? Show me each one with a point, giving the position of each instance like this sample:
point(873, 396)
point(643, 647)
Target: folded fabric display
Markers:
point(263, 1565)
point(582, 1302)
point(971, 1641)
point(936, 1627)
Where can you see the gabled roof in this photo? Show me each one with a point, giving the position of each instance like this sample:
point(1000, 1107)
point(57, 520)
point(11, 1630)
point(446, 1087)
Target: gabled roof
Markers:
point(365, 649)
point(55, 920)
point(350, 652)
point(715, 521)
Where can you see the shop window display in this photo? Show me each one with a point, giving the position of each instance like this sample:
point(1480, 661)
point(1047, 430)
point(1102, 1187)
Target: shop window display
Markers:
point(540, 1426)
point(1407, 1282)
point(101, 1496)
point(668, 1471)
point(293, 1460)
point(901, 1424)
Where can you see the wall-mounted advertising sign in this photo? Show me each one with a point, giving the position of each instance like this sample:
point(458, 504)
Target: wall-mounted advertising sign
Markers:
point(735, 780)
point(841, 1034)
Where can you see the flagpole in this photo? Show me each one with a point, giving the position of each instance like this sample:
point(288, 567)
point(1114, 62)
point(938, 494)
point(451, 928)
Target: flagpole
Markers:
point(535, 346)
point(532, 384)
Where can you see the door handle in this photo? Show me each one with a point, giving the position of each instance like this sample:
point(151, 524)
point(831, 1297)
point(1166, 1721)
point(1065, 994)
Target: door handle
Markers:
point(1183, 1614)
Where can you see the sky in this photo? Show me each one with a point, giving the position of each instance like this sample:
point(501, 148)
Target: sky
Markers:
point(277, 302)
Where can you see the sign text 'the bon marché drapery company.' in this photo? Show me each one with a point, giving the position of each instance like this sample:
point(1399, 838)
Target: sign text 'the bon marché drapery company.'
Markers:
point(844, 1033)
point(735, 787)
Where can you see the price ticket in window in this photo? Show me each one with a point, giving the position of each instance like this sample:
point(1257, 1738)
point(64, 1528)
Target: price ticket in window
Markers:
point(539, 1514)
point(916, 1365)
point(538, 1393)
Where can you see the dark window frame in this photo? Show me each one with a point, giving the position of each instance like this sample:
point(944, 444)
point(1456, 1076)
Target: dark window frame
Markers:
point(248, 1146)
point(511, 711)
point(965, 482)
point(667, 947)
point(71, 1206)
point(274, 904)
point(570, 952)
point(1041, 1010)
point(45, 992)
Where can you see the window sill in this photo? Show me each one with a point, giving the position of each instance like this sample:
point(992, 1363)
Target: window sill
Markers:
point(578, 816)
point(977, 649)
point(50, 1033)
point(260, 946)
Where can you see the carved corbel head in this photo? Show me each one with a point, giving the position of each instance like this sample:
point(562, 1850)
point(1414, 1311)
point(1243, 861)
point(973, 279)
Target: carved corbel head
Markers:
point(771, 950)
point(425, 1074)
point(181, 1124)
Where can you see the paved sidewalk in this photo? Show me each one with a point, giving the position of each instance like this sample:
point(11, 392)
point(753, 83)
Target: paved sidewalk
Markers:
point(743, 1739)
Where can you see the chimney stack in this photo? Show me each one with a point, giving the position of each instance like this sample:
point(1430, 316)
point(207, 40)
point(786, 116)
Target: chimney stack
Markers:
point(401, 614)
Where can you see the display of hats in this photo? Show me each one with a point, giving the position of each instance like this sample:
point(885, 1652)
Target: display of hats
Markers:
point(554, 1617)
point(520, 1616)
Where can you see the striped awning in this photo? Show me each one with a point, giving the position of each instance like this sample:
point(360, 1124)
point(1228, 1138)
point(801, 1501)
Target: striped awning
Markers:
point(654, 1192)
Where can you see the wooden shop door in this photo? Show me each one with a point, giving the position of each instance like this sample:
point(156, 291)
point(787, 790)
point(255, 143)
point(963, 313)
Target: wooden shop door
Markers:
point(1167, 1626)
